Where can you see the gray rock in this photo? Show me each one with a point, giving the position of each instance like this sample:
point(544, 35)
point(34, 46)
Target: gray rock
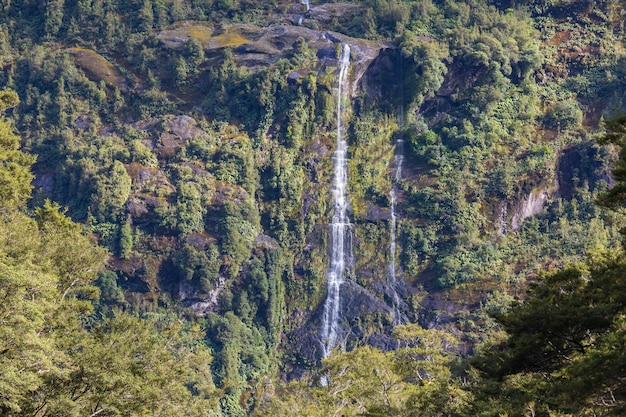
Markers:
point(260, 47)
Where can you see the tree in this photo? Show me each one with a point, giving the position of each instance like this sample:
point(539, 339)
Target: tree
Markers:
point(111, 191)
point(28, 296)
point(51, 364)
point(54, 17)
point(564, 348)
point(565, 115)
point(365, 381)
point(127, 366)
point(615, 198)
point(15, 175)
point(414, 380)
point(194, 54)
point(46, 267)
point(565, 344)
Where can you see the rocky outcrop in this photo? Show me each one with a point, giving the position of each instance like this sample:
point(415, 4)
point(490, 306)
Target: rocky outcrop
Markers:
point(327, 13)
point(532, 204)
point(257, 47)
point(364, 316)
point(201, 306)
point(98, 68)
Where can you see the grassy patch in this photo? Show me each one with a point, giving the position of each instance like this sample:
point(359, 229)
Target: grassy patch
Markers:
point(182, 31)
point(97, 67)
point(227, 40)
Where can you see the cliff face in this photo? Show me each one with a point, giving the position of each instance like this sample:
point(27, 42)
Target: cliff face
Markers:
point(369, 302)
point(201, 155)
point(183, 187)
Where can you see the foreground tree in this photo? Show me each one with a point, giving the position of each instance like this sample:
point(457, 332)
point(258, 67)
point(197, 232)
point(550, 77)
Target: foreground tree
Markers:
point(414, 380)
point(51, 364)
point(565, 347)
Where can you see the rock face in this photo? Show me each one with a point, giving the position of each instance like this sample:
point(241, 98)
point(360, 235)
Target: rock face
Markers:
point(365, 312)
point(325, 13)
point(532, 204)
point(257, 47)
point(365, 315)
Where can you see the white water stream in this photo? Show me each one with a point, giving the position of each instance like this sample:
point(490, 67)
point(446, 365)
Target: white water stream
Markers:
point(394, 279)
point(341, 248)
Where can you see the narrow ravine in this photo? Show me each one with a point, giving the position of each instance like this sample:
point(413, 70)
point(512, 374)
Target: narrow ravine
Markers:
point(341, 248)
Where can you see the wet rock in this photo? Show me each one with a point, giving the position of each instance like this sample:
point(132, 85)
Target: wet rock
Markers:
point(359, 306)
point(225, 191)
point(146, 125)
point(152, 201)
point(140, 174)
point(83, 122)
point(200, 241)
point(168, 146)
point(327, 13)
point(136, 208)
point(263, 241)
point(376, 213)
point(184, 127)
point(205, 304)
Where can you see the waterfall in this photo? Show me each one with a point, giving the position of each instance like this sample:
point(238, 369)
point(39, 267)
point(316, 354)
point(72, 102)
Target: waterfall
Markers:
point(394, 280)
point(341, 255)
point(306, 3)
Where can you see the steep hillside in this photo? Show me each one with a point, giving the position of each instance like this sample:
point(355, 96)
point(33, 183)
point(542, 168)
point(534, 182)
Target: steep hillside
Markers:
point(197, 140)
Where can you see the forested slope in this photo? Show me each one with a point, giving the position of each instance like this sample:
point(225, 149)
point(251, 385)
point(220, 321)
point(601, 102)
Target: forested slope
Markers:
point(194, 141)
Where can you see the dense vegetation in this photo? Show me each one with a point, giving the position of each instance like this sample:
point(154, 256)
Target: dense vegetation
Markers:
point(187, 147)
point(56, 358)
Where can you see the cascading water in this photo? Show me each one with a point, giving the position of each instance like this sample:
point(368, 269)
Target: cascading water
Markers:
point(308, 7)
point(341, 248)
point(394, 280)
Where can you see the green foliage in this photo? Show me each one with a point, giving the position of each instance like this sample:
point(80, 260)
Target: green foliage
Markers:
point(495, 94)
point(616, 134)
point(240, 227)
point(15, 176)
point(565, 115)
point(426, 78)
point(29, 297)
point(414, 380)
point(111, 193)
point(152, 369)
point(126, 240)
point(110, 292)
point(240, 353)
point(199, 266)
point(562, 362)
point(371, 161)
point(189, 209)
point(50, 364)
point(8, 99)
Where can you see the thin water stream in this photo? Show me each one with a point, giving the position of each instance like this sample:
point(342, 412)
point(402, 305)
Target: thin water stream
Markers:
point(394, 279)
